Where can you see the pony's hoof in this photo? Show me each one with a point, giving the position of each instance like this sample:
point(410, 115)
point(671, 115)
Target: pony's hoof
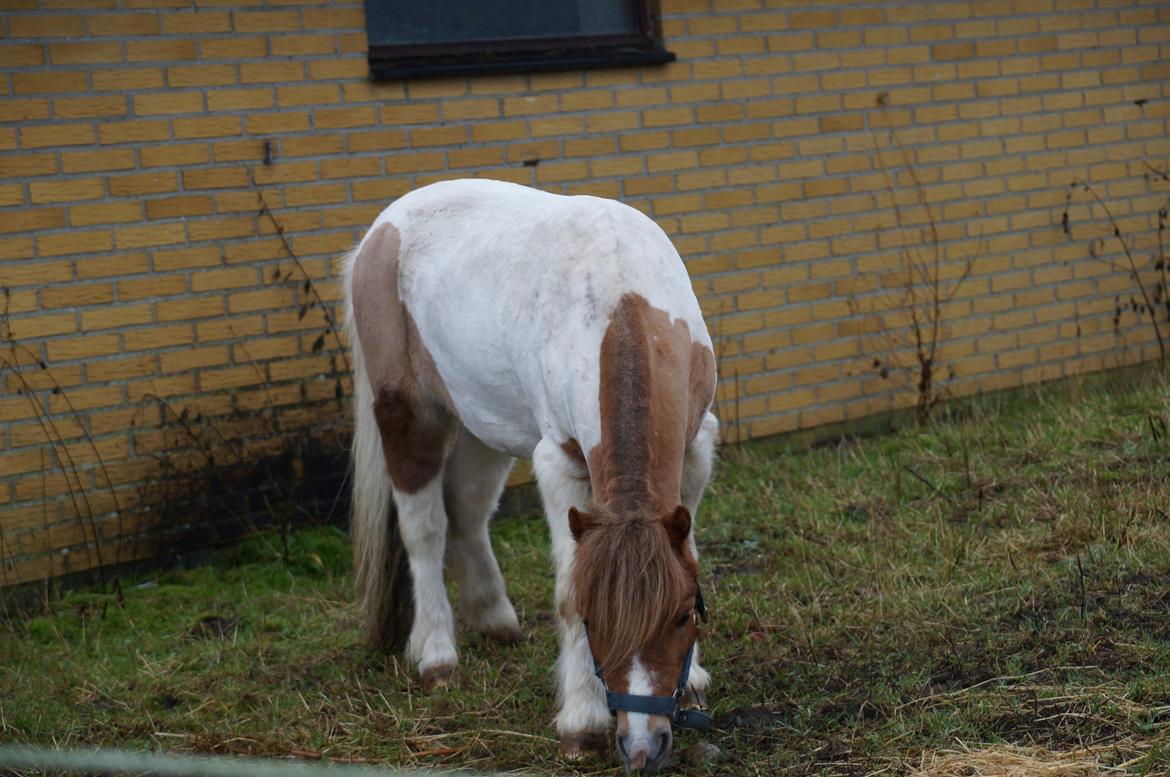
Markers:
point(498, 622)
point(694, 699)
point(574, 747)
point(436, 677)
point(506, 635)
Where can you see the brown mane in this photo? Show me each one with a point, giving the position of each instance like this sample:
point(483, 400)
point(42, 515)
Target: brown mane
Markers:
point(632, 570)
point(656, 384)
point(629, 581)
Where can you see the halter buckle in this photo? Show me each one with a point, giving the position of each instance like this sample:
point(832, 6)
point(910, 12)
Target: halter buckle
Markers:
point(699, 720)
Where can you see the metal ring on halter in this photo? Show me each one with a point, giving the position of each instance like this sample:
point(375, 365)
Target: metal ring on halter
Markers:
point(659, 705)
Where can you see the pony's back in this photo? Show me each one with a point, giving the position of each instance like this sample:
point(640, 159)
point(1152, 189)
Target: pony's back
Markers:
point(512, 288)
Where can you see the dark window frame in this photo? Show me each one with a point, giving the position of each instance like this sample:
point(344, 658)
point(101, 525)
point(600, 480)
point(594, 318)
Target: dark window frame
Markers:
point(526, 55)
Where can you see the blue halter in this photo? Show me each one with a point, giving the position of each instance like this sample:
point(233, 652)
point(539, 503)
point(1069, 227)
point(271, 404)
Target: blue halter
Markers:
point(660, 705)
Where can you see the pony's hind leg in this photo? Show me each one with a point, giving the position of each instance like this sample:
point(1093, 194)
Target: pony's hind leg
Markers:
point(697, 465)
point(472, 482)
point(398, 392)
point(422, 522)
point(584, 718)
point(416, 442)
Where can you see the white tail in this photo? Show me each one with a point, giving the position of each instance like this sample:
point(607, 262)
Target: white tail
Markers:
point(382, 568)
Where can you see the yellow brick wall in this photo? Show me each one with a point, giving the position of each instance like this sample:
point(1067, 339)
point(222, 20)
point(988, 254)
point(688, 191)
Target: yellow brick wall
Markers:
point(154, 317)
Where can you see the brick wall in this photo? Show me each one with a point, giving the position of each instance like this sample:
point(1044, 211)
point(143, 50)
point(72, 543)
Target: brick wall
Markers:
point(161, 159)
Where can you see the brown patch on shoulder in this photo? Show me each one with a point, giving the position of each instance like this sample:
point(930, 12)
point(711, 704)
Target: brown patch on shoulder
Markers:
point(656, 384)
point(411, 404)
point(702, 386)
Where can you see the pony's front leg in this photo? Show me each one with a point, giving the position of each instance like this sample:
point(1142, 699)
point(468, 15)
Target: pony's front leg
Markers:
point(697, 465)
point(472, 483)
point(583, 719)
point(422, 522)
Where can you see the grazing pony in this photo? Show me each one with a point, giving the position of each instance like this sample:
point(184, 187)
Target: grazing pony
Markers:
point(490, 321)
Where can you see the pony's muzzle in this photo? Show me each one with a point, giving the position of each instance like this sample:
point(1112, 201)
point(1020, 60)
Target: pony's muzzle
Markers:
point(646, 753)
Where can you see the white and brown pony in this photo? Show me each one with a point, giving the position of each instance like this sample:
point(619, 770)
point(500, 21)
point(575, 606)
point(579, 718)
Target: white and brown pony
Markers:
point(492, 321)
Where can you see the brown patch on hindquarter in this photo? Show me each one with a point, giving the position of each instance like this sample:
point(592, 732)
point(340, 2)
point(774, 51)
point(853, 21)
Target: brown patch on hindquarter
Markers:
point(656, 384)
point(413, 444)
point(411, 403)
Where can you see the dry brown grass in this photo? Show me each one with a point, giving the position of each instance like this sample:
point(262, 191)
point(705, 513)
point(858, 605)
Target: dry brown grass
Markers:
point(1009, 762)
point(1116, 758)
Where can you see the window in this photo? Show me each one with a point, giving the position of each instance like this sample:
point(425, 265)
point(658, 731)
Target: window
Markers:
point(412, 38)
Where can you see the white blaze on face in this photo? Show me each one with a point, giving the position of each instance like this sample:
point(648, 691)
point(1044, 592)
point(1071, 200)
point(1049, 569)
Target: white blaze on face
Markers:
point(638, 723)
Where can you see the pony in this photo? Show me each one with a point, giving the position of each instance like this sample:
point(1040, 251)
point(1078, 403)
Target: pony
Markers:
point(491, 321)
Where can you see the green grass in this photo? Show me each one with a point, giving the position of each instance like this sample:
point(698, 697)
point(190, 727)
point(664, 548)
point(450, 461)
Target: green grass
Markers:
point(1001, 578)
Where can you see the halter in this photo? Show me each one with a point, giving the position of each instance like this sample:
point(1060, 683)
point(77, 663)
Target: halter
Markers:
point(659, 705)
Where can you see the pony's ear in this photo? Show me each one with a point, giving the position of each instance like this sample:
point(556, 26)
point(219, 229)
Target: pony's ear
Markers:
point(579, 523)
point(678, 526)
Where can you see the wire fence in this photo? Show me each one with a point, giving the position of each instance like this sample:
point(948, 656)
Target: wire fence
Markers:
point(106, 762)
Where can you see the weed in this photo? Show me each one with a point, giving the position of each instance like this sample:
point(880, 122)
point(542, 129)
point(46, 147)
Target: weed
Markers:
point(913, 319)
point(75, 480)
point(307, 286)
point(1152, 303)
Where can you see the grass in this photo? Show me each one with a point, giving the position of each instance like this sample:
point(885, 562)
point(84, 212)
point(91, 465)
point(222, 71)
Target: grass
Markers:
point(992, 588)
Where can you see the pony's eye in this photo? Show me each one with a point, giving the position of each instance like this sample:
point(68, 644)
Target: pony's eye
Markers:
point(682, 621)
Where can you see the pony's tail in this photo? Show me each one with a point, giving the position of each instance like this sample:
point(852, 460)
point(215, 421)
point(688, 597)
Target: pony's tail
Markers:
point(382, 567)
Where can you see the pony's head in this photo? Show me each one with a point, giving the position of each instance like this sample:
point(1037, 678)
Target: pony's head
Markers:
point(635, 582)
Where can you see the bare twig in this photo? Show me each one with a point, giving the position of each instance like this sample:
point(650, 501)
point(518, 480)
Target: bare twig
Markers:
point(923, 296)
point(1134, 271)
point(60, 391)
point(330, 320)
point(1081, 579)
point(64, 459)
point(927, 483)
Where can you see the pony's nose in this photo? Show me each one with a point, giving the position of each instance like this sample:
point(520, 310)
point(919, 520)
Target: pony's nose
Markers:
point(648, 755)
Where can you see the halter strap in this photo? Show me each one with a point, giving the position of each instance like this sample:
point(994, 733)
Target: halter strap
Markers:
point(659, 705)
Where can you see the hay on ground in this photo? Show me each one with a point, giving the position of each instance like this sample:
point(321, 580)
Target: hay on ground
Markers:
point(1004, 761)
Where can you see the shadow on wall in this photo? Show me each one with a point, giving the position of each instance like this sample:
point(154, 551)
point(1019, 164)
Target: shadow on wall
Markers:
point(190, 475)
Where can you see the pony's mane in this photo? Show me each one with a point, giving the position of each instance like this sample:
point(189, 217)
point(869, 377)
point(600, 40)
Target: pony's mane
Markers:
point(628, 581)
